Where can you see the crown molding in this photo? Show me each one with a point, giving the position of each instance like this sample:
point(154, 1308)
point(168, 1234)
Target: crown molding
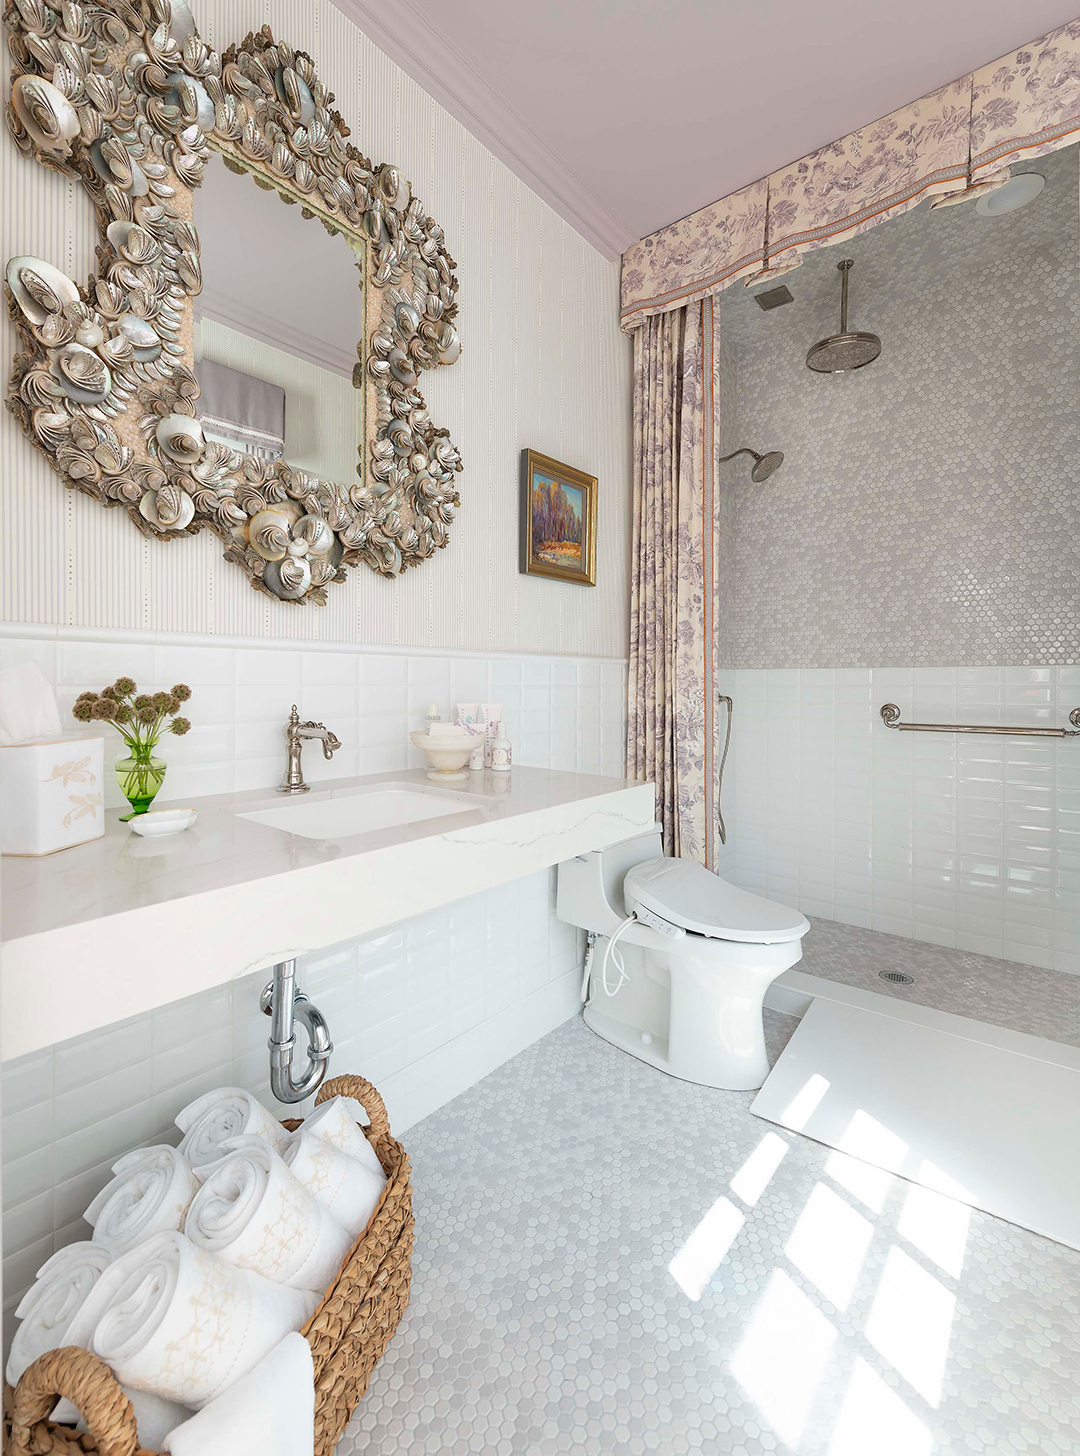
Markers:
point(246, 319)
point(434, 63)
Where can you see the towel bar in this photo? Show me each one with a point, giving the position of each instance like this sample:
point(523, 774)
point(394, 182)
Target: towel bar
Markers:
point(890, 716)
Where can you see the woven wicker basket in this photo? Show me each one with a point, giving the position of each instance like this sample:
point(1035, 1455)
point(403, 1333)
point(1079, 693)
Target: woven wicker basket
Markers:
point(347, 1333)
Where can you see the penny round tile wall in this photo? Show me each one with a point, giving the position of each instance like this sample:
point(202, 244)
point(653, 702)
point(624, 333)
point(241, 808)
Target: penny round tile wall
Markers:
point(928, 509)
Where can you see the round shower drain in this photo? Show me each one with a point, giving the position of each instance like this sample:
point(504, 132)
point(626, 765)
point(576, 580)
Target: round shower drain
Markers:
point(897, 978)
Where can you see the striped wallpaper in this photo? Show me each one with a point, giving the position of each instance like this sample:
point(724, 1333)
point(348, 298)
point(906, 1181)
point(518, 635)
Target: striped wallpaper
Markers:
point(544, 365)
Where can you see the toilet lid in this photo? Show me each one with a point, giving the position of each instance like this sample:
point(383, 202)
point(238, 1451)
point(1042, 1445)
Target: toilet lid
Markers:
point(689, 895)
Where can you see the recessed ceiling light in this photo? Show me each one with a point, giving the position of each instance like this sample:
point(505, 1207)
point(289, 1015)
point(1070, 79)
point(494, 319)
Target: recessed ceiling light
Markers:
point(1017, 192)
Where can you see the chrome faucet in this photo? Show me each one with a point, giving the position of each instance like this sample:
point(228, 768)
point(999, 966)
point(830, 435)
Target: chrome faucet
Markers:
point(295, 733)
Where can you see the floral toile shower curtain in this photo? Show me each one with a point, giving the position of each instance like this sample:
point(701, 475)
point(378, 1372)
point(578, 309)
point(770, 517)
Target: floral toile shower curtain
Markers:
point(952, 143)
point(672, 702)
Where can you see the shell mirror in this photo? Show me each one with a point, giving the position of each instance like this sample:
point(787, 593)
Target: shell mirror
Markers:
point(186, 410)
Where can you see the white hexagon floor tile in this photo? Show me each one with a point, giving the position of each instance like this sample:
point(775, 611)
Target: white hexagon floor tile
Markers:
point(610, 1260)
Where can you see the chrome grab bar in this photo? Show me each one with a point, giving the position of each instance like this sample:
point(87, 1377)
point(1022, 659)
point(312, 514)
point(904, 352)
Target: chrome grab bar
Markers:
point(890, 716)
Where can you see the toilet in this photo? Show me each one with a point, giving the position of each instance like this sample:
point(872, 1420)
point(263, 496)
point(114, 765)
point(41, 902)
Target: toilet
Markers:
point(685, 981)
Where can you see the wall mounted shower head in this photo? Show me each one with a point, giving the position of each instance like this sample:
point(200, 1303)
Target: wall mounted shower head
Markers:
point(842, 352)
point(764, 465)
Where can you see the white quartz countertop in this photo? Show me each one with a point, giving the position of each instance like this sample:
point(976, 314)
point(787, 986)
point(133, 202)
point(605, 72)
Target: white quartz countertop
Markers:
point(116, 927)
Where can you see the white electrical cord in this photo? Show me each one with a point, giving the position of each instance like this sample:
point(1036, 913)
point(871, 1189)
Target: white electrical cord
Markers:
point(610, 953)
point(586, 970)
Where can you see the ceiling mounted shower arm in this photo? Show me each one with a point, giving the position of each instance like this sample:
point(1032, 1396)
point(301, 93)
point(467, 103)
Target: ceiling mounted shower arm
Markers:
point(846, 351)
point(845, 266)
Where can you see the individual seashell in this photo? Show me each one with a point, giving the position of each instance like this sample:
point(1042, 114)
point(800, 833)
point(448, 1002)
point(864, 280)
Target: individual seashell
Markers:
point(449, 344)
point(83, 374)
point(181, 21)
point(395, 190)
point(169, 509)
point(39, 289)
point(288, 579)
point(77, 464)
point(51, 427)
point(90, 334)
point(117, 351)
point(401, 437)
point(142, 336)
point(189, 271)
point(190, 97)
point(103, 94)
point(295, 94)
point(56, 331)
point(113, 163)
point(322, 570)
point(406, 318)
point(401, 368)
point(181, 438)
point(47, 115)
point(185, 236)
point(268, 533)
point(133, 243)
point(315, 533)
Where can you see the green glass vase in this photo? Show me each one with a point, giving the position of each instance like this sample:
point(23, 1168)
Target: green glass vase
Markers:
point(140, 776)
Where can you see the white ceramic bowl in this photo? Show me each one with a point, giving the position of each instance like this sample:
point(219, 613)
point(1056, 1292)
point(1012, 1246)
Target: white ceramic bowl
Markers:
point(158, 822)
point(445, 752)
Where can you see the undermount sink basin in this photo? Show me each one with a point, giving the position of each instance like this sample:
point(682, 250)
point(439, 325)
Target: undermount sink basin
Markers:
point(359, 812)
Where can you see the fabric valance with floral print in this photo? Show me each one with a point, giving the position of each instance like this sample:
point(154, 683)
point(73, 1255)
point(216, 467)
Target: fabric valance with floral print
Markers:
point(953, 141)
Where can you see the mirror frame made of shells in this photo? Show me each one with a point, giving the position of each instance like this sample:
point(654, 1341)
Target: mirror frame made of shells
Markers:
point(130, 102)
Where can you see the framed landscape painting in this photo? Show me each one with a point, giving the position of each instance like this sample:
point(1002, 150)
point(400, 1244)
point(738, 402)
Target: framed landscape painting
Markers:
point(558, 520)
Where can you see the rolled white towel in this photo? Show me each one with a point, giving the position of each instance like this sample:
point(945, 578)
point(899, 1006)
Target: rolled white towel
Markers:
point(149, 1195)
point(227, 1113)
point(182, 1324)
point(270, 1410)
point(47, 1310)
point(335, 1121)
point(253, 1211)
point(347, 1188)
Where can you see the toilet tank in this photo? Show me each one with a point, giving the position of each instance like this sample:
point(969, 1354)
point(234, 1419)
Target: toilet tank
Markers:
point(590, 885)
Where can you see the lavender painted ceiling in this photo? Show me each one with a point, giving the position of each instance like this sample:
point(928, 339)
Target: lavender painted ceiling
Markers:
point(628, 114)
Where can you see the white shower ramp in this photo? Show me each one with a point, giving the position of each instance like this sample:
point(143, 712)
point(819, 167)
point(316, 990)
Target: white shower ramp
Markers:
point(988, 1116)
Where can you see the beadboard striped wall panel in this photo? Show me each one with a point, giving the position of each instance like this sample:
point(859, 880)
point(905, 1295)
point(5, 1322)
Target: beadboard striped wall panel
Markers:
point(543, 365)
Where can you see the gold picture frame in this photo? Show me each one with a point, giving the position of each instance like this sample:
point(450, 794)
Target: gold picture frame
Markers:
point(558, 520)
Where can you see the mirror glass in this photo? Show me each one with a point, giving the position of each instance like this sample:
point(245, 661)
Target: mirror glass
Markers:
point(278, 326)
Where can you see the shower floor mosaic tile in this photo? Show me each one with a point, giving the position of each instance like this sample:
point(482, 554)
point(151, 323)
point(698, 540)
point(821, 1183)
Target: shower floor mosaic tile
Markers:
point(1006, 993)
point(609, 1260)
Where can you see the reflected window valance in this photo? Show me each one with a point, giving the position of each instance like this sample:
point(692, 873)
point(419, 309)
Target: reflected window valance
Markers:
point(243, 412)
point(952, 141)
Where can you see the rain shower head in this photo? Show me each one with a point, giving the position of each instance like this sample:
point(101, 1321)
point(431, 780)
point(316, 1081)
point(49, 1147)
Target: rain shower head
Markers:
point(764, 465)
point(842, 352)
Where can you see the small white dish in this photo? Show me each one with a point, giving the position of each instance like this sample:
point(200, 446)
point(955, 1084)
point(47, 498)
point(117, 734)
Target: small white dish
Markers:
point(158, 822)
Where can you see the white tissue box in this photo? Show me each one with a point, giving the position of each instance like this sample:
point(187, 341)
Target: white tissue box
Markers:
point(51, 794)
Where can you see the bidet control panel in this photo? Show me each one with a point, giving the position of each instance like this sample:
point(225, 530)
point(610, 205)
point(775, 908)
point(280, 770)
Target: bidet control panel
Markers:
point(657, 922)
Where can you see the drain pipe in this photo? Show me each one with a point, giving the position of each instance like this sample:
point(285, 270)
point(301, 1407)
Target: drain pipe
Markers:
point(285, 1005)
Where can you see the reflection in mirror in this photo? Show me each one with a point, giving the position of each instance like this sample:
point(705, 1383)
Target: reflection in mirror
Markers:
point(279, 323)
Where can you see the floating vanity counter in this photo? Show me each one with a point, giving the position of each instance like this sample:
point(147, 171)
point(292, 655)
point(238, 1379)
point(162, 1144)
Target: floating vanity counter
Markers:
point(116, 927)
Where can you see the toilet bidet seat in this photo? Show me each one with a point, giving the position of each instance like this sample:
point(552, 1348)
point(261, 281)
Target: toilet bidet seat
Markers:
point(691, 897)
